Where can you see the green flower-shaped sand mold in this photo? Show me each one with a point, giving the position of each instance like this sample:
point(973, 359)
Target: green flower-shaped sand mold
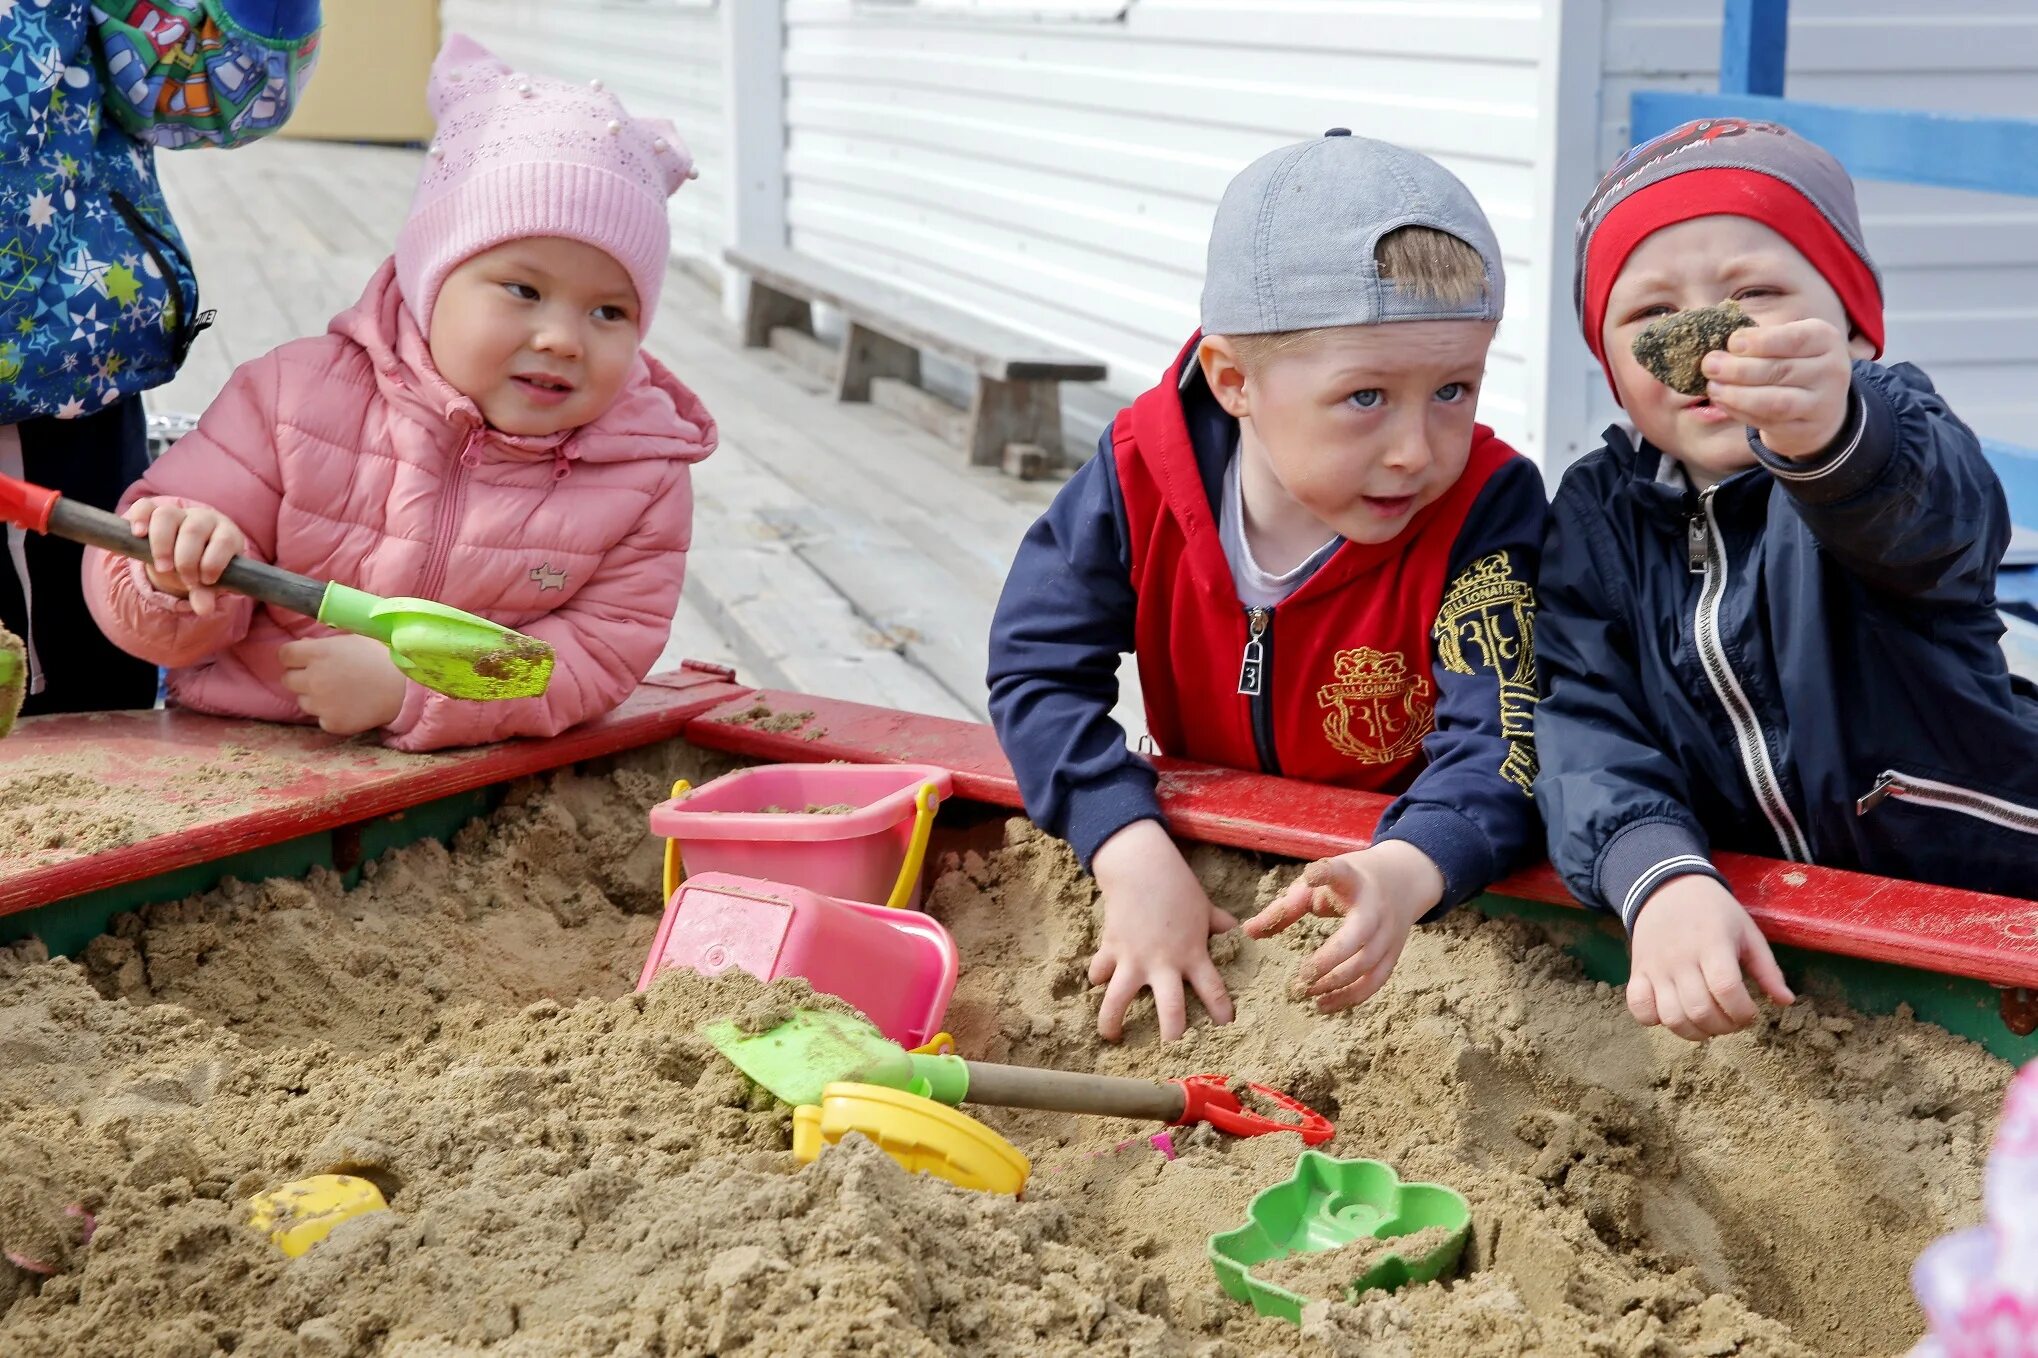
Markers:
point(1327, 1203)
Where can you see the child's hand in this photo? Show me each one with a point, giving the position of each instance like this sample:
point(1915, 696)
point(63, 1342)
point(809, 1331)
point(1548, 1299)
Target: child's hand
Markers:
point(349, 683)
point(1380, 892)
point(1690, 945)
point(1157, 925)
point(191, 546)
point(1790, 383)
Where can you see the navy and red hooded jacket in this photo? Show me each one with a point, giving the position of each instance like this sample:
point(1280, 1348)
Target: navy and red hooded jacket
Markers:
point(1406, 666)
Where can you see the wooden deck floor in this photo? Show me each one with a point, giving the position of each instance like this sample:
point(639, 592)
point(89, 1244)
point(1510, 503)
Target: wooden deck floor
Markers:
point(837, 550)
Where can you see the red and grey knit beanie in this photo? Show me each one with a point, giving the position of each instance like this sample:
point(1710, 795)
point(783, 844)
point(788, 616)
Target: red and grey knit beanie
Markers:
point(1727, 167)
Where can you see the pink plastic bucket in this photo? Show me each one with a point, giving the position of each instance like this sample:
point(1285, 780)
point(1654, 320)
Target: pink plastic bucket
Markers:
point(870, 854)
point(897, 966)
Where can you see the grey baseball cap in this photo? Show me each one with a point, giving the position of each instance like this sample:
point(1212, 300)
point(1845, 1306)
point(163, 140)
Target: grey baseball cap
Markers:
point(1292, 245)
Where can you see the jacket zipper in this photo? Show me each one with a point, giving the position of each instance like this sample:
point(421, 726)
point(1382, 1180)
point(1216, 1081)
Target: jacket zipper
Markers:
point(1707, 551)
point(1256, 682)
point(1947, 797)
point(450, 505)
point(184, 324)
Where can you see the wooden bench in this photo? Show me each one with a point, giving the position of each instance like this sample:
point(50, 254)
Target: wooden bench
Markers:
point(1017, 402)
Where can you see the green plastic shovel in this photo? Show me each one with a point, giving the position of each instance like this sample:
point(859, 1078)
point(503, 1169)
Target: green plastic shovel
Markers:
point(797, 1059)
point(445, 649)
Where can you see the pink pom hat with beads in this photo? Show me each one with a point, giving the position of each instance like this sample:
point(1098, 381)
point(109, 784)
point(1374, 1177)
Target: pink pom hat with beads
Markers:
point(519, 155)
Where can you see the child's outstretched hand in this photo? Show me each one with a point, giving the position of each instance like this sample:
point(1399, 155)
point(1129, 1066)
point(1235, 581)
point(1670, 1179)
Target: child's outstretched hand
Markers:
point(1157, 927)
point(1790, 383)
point(1380, 892)
point(1691, 943)
point(191, 546)
point(349, 683)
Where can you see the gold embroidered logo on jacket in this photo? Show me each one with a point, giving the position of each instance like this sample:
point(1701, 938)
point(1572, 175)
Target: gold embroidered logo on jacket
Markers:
point(1488, 619)
point(1379, 712)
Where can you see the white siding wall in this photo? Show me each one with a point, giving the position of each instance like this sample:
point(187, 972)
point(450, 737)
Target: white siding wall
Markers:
point(1960, 270)
point(663, 58)
point(1061, 175)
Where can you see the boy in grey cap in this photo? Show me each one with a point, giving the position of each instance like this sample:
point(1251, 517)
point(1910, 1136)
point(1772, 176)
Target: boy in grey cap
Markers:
point(1323, 565)
point(1769, 615)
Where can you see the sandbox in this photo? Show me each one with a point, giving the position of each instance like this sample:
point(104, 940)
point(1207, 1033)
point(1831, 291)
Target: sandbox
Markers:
point(570, 1169)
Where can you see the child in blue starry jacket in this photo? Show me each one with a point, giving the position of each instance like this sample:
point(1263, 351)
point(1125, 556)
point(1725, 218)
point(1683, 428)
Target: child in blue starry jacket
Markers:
point(98, 302)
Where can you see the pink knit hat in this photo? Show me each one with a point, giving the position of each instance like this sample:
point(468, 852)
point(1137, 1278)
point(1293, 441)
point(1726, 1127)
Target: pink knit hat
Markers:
point(521, 155)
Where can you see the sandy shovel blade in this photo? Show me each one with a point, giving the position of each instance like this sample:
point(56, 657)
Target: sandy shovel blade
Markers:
point(13, 679)
point(445, 649)
point(811, 1050)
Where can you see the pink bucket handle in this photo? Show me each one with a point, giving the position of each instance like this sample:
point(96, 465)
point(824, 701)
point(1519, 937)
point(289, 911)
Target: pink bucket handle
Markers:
point(925, 803)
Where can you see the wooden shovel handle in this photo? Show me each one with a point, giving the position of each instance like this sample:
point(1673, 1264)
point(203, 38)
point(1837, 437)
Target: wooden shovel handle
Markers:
point(1061, 1091)
point(256, 579)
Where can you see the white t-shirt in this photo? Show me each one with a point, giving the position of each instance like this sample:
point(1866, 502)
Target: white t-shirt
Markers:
point(1257, 588)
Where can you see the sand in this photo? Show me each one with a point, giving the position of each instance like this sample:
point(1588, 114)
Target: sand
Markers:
point(1328, 1274)
point(763, 717)
point(1673, 348)
point(52, 810)
point(570, 1169)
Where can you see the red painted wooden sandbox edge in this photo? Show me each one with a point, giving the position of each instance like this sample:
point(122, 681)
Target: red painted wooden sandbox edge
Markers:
point(1963, 933)
point(323, 790)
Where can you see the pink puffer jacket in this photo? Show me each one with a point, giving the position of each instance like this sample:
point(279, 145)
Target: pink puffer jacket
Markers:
point(347, 457)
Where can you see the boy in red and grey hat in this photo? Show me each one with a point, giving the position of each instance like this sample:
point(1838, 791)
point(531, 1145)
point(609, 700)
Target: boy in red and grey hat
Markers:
point(1768, 620)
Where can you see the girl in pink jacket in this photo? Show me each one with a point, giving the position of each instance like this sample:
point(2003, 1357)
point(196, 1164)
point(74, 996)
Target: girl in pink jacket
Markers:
point(481, 428)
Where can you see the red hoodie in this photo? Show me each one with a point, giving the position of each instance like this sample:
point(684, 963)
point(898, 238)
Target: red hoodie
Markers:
point(1333, 683)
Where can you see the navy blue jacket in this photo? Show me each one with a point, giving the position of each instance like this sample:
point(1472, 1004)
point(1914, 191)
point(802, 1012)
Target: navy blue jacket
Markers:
point(1802, 662)
point(1068, 613)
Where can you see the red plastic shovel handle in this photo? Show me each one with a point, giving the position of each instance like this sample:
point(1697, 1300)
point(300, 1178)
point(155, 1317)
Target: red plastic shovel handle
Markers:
point(1208, 1098)
point(26, 506)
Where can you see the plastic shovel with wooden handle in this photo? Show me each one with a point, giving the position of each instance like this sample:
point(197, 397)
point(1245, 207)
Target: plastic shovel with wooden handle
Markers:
point(445, 649)
point(797, 1059)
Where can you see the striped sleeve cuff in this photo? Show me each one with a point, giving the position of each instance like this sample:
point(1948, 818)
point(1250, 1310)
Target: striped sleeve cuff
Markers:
point(1645, 855)
point(1858, 455)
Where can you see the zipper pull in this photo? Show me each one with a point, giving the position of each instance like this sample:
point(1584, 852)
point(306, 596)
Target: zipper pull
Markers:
point(1252, 672)
point(1697, 543)
point(1885, 786)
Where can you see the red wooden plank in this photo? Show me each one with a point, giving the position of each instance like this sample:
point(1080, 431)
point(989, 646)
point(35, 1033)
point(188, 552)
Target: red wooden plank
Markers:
point(310, 781)
point(1964, 933)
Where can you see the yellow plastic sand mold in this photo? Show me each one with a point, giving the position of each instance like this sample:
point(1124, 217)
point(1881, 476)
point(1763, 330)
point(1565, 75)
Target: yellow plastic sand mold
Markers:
point(299, 1215)
point(923, 1136)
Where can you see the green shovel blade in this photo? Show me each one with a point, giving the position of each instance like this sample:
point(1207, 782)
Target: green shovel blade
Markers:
point(445, 649)
point(13, 679)
point(816, 1048)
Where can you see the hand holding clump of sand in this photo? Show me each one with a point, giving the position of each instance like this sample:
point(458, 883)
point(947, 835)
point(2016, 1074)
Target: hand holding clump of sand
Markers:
point(1790, 383)
point(1379, 892)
